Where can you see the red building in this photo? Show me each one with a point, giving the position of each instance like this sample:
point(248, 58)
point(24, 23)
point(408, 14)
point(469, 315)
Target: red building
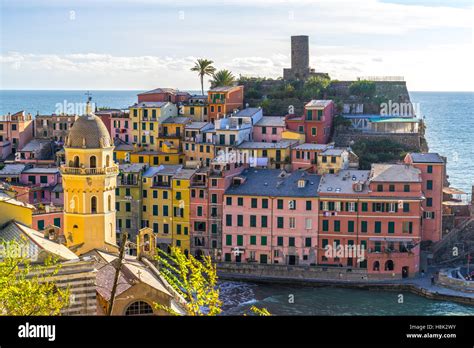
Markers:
point(316, 123)
point(164, 95)
point(224, 100)
point(377, 210)
point(433, 174)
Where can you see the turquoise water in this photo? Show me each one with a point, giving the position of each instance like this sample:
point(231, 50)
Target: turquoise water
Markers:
point(238, 297)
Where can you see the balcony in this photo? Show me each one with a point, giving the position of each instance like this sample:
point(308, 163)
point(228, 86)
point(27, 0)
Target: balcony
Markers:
point(89, 171)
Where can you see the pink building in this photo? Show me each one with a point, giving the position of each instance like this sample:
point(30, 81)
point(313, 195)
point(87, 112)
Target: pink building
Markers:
point(269, 129)
point(305, 156)
point(377, 210)
point(120, 127)
point(316, 123)
point(433, 174)
point(208, 186)
point(42, 185)
point(271, 217)
point(47, 217)
point(164, 95)
point(15, 132)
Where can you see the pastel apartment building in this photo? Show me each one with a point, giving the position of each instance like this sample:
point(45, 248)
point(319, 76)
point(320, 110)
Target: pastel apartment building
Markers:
point(120, 127)
point(433, 174)
point(198, 144)
point(269, 129)
point(195, 107)
point(270, 217)
point(223, 101)
point(163, 95)
point(53, 127)
point(268, 155)
point(377, 210)
point(15, 132)
point(316, 122)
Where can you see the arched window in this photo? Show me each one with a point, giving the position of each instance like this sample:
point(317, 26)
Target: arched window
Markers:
point(76, 162)
point(376, 266)
point(107, 161)
point(389, 265)
point(139, 308)
point(93, 162)
point(109, 203)
point(94, 205)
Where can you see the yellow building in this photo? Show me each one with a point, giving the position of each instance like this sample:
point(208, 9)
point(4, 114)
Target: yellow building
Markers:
point(198, 146)
point(332, 160)
point(154, 158)
point(146, 118)
point(292, 135)
point(157, 203)
point(12, 209)
point(270, 155)
point(181, 183)
point(195, 108)
point(89, 182)
point(172, 133)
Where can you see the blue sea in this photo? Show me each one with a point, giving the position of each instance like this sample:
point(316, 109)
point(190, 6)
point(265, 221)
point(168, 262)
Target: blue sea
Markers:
point(449, 117)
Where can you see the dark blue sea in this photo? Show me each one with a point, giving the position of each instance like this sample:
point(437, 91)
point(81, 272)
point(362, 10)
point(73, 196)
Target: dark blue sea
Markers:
point(449, 117)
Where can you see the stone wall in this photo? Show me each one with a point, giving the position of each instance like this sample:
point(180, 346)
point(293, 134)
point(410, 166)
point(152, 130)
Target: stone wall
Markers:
point(445, 279)
point(345, 137)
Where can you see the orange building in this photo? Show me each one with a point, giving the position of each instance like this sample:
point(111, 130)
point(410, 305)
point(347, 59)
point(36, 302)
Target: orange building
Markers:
point(224, 100)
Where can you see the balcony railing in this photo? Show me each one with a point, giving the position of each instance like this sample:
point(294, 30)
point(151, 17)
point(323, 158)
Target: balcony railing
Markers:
point(89, 171)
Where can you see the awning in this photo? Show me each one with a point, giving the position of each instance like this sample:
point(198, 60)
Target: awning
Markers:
point(454, 204)
point(453, 191)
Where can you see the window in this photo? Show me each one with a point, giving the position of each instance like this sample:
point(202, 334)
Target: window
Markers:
point(350, 226)
point(337, 226)
point(429, 202)
point(165, 210)
point(253, 221)
point(378, 226)
point(363, 226)
point(391, 227)
point(94, 205)
point(429, 215)
point(264, 203)
point(325, 225)
point(429, 169)
point(365, 206)
point(291, 241)
point(254, 203)
point(240, 220)
point(40, 225)
point(379, 188)
point(253, 240)
point(263, 240)
point(213, 198)
point(406, 188)
point(139, 308)
point(308, 205)
point(292, 222)
point(199, 211)
point(240, 240)
point(307, 242)
point(264, 221)
point(228, 201)
point(228, 220)
point(240, 201)
point(280, 222)
point(292, 204)
point(313, 131)
point(214, 182)
point(429, 184)
point(280, 204)
point(406, 207)
point(391, 188)
point(308, 224)
point(43, 179)
point(407, 227)
point(280, 241)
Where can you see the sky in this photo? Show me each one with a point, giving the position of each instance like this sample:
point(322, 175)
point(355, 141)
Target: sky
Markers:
point(145, 44)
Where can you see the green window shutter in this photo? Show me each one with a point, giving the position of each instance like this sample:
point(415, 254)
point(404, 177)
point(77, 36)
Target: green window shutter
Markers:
point(263, 240)
point(337, 226)
point(406, 207)
point(378, 227)
point(240, 240)
point(280, 223)
point(228, 201)
point(253, 240)
point(57, 222)
point(280, 204)
point(365, 207)
point(363, 226)
point(240, 220)
point(253, 221)
point(291, 241)
point(40, 225)
point(264, 221)
point(325, 225)
point(228, 239)
point(265, 203)
point(350, 226)
point(254, 203)
point(391, 227)
point(228, 220)
point(228, 257)
point(307, 242)
point(280, 241)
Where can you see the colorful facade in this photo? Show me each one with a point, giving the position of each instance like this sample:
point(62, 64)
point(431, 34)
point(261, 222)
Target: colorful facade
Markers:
point(223, 101)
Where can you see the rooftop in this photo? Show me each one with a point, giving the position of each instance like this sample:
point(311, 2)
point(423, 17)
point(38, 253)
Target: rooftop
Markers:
point(184, 174)
point(318, 103)
point(160, 90)
point(343, 182)
point(271, 121)
point(12, 169)
point(394, 173)
point(275, 183)
point(196, 125)
point(177, 120)
point(431, 157)
point(224, 89)
point(282, 144)
point(310, 146)
point(149, 105)
point(132, 167)
point(39, 170)
point(247, 112)
point(333, 152)
point(169, 169)
point(35, 145)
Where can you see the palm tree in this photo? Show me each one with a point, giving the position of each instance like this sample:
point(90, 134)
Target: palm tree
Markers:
point(203, 67)
point(222, 78)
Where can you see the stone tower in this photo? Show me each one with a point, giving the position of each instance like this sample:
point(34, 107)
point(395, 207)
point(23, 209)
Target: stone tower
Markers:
point(299, 58)
point(89, 181)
